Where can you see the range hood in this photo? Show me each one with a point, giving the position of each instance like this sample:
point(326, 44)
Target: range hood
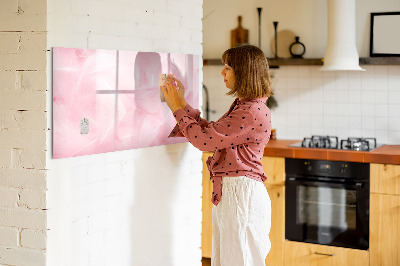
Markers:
point(341, 51)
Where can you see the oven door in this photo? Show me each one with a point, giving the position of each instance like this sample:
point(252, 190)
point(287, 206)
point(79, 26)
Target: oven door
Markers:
point(327, 213)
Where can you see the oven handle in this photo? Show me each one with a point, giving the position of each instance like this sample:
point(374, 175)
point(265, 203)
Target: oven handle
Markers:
point(325, 254)
point(357, 185)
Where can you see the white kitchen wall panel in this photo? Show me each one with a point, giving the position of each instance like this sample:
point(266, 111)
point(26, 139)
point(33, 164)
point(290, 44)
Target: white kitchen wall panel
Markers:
point(312, 102)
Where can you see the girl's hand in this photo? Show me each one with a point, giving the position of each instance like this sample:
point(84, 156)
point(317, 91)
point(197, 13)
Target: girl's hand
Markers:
point(171, 95)
point(181, 91)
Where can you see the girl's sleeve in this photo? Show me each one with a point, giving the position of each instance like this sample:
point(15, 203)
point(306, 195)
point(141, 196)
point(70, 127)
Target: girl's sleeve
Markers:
point(193, 113)
point(234, 129)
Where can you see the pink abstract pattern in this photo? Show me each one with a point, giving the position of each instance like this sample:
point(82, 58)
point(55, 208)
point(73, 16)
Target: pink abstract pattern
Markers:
point(118, 93)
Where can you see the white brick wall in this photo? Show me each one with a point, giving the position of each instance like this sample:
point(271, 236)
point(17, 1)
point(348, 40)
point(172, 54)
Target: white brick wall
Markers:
point(24, 256)
point(23, 128)
point(135, 207)
point(9, 197)
point(9, 237)
point(33, 239)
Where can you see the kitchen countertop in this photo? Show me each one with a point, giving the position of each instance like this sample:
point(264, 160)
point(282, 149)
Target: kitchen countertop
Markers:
point(389, 154)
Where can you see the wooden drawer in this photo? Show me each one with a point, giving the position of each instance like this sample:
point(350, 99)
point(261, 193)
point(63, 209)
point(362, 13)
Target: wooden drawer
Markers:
point(304, 254)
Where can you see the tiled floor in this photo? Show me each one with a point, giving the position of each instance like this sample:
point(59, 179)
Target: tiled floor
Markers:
point(206, 261)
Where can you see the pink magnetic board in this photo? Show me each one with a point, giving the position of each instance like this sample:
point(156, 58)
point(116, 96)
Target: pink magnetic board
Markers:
point(109, 100)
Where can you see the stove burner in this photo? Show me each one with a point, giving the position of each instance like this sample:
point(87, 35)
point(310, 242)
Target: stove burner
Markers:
point(358, 144)
point(332, 142)
point(328, 142)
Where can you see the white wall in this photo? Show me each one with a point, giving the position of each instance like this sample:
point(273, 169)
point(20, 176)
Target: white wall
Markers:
point(134, 207)
point(23, 133)
point(305, 18)
point(343, 104)
point(311, 102)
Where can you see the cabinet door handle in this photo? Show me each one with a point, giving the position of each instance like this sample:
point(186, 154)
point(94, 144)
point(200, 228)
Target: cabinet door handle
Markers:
point(325, 254)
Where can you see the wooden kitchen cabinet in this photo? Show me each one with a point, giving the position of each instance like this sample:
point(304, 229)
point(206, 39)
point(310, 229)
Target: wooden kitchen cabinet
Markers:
point(277, 233)
point(384, 236)
point(274, 168)
point(206, 225)
point(305, 254)
point(385, 178)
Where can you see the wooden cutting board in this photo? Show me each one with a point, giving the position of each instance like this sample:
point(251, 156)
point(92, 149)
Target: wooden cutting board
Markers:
point(239, 35)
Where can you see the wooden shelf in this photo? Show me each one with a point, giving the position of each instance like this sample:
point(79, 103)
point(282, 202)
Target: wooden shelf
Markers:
point(212, 62)
point(273, 63)
point(380, 61)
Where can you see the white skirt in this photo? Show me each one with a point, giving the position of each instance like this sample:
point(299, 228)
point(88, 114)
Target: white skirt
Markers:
point(241, 223)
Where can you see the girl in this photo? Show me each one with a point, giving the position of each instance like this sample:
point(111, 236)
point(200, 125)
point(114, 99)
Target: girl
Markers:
point(242, 209)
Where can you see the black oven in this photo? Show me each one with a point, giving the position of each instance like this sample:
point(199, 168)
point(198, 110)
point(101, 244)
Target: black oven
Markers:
point(327, 202)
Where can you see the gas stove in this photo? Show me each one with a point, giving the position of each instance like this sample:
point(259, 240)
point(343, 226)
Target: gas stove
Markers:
point(332, 142)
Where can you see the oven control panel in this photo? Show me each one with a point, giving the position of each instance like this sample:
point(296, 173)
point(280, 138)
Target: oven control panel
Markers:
point(338, 169)
point(325, 167)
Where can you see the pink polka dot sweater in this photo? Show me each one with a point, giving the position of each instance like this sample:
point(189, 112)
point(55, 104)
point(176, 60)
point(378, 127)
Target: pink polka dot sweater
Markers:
point(238, 139)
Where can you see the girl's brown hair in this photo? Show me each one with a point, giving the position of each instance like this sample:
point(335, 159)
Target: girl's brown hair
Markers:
point(250, 66)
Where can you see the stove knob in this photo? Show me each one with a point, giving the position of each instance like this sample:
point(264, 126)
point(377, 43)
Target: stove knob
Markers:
point(343, 168)
point(308, 166)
